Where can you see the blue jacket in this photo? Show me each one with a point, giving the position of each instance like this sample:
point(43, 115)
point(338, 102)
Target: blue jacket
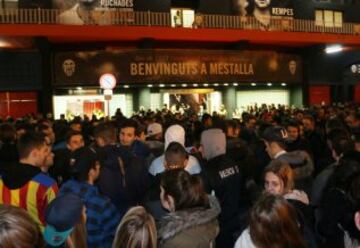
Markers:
point(140, 149)
point(102, 216)
point(125, 184)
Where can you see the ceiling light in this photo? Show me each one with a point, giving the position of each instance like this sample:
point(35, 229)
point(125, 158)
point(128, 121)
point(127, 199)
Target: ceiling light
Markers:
point(162, 85)
point(79, 88)
point(150, 85)
point(173, 85)
point(216, 85)
point(195, 85)
point(253, 84)
point(206, 85)
point(235, 84)
point(126, 86)
point(333, 49)
point(269, 84)
point(283, 84)
point(226, 84)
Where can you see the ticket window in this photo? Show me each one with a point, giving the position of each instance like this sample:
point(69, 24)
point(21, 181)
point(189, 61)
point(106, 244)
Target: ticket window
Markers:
point(81, 105)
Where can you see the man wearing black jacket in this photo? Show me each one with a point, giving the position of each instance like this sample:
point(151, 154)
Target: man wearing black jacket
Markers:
point(123, 176)
point(61, 171)
point(222, 176)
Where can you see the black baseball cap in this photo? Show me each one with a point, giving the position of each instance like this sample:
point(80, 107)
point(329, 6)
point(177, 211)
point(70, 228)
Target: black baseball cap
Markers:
point(85, 159)
point(275, 134)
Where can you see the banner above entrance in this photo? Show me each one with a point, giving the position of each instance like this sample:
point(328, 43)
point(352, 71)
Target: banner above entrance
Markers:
point(176, 66)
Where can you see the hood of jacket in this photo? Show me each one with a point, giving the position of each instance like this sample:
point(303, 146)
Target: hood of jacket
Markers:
point(174, 133)
point(300, 161)
point(17, 175)
point(295, 158)
point(173, 223)
point(213, 142)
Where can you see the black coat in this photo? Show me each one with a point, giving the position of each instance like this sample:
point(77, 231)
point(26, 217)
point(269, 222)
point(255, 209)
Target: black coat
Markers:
point(223, 176)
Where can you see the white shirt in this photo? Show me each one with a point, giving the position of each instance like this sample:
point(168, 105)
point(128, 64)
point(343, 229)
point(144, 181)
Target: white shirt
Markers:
point(244, 241)
point(279, 154)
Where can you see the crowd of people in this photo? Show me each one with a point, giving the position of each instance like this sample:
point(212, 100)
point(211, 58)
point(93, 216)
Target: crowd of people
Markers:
point(277, 177)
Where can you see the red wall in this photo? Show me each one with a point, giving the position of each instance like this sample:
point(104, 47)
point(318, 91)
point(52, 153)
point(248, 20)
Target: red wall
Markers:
point(319, 94)
point(17, 104)
point(357, 93)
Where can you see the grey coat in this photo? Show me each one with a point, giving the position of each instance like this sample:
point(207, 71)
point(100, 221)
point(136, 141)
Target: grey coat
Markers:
point(196, 227)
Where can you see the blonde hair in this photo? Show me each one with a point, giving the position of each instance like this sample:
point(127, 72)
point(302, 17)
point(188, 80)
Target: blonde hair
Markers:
point(18, 229)
point(136, 230)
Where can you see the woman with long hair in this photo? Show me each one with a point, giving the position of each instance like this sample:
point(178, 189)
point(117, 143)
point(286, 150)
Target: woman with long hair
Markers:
point(272, 224)
point(192, 217)
point(279, 180)
point(136, 230)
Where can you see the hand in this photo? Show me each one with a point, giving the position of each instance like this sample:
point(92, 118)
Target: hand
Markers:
point(298, 195)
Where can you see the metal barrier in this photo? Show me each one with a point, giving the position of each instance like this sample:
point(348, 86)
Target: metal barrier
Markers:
point(121, 18)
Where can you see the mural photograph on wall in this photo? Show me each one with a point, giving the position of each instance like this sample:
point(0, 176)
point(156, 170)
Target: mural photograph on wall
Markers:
point(264, 11)
point(92, 12)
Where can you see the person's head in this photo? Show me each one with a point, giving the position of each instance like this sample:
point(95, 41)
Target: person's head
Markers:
point(353, 120)
point(47, 130)
point(176, 156)
point(293, 130)
point(87, 164)
point(127, 133)
point(105, 134)
point(333, 123)
point(140, 133)
point(273, 223)
point(180, 190)
point(339, 142)
point(7, 132)
point(155, 131)
point(61, 217)
point(232, 129)
point(262, 4)
point(250, 122)
point(309, 123)
point(76, 125)
point(213, 143)
point(18, 229)
point(136, 230)
point(299, 116)
point(278, 178)
point(33, 149)
point(49, 161)
point(206, 120)
point(74, 140)
point(174, 133)
point(274, 138)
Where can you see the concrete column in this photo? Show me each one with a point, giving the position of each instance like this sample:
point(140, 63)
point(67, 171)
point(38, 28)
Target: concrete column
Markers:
point(229, 100)
point(144, 98)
